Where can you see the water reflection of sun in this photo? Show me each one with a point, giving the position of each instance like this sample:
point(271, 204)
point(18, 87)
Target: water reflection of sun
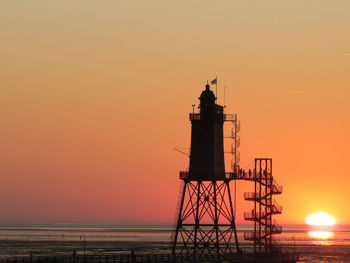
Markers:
point(321, 237)
point(320, 234)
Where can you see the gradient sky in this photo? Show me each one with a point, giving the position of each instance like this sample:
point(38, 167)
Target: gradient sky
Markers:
point(96, 94)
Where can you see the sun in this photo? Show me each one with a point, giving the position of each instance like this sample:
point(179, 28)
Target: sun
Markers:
point(320, 219)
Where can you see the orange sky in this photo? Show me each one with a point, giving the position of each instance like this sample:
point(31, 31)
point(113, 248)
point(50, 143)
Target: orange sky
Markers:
point(95, 95)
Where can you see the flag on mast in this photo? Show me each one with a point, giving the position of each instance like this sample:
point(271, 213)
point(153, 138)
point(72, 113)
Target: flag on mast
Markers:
point(215, 81)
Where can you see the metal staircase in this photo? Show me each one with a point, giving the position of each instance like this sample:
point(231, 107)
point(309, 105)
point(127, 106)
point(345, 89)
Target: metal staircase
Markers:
point(264, 207)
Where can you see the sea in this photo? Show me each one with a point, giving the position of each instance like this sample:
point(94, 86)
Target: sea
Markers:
point(25, 240)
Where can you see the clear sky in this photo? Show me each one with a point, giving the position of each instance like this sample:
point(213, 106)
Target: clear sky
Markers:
point(96, 94)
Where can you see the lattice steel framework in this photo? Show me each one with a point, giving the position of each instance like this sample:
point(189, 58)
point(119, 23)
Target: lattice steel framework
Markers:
point(205, 223)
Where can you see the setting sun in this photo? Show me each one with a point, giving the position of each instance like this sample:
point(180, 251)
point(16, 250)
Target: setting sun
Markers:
point(320, 219)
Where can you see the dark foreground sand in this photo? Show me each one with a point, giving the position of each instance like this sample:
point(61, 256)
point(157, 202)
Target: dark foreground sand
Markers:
point(25, 249)
point(43, 248)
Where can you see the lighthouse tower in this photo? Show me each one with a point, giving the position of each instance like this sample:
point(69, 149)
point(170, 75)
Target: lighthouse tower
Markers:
point(205, 218)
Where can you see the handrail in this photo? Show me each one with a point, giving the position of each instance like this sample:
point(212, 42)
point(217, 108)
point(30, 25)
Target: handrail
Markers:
point(183, 174)
point(253, 215)
point(195, 116)
point(225, 117)
point(229, 117)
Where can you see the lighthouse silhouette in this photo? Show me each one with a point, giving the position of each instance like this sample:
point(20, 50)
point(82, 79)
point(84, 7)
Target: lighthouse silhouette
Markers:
point(207, 161)
point(205, 222)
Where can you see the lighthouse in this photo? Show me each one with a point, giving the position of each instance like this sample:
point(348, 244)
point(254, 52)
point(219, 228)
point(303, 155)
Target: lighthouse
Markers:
point(205, 218)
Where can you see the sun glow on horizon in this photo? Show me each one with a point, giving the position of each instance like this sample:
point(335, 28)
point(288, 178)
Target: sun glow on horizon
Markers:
point(320, 234)
point(320, 219)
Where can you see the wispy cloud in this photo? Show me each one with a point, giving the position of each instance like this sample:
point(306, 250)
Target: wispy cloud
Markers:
point(347, 54)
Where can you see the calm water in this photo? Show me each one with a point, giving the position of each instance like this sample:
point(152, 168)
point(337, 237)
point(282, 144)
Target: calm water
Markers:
point(22, 240)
